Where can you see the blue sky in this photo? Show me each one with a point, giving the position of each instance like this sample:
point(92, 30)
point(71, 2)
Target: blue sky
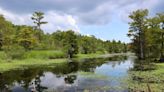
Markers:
point(116, 29)
point(105, 19)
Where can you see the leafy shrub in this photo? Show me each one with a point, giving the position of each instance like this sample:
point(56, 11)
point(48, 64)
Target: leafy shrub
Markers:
point(2, 55)
point(14, 52)
point(45, 54)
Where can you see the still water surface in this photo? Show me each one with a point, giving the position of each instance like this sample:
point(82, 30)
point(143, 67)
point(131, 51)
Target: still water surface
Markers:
point(86, 75)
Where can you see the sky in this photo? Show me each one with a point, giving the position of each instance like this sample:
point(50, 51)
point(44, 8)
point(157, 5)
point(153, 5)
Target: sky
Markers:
point(105, 19)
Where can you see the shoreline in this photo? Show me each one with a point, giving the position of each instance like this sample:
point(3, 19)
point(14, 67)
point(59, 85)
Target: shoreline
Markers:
point(25, 63)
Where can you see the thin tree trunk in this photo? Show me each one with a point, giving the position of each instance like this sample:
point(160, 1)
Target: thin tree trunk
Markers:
point(141, 47)
point(162, 46)
point(142, 51)
point(162, 43)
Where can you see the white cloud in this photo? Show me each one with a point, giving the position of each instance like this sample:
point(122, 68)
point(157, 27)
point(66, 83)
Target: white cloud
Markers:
point(15, 18)
point(123, 12)
point(55, 21)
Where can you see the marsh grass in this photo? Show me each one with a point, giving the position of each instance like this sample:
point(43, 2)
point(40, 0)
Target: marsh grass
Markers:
point(2, 55)
point(42, 54)
point(37, 58)
point(21, 64)
point(143, 80)
point(45, 54)
point(93, 55)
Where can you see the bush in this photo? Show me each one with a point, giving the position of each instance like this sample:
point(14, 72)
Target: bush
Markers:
point(14, 52)
point(2, 55)
point(45, 54)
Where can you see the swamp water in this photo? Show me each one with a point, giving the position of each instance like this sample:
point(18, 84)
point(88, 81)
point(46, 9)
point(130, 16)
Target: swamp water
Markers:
point(85, 75)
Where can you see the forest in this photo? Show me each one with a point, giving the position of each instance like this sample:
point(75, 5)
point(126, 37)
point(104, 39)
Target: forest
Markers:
point(18, 40)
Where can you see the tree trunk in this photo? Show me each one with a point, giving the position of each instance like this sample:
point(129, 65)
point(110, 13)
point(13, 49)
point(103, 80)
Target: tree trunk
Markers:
point(162, 45)
point(141, 45)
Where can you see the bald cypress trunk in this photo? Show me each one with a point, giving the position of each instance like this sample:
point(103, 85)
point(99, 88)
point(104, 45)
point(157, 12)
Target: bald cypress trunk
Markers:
point(162, 45)
point(162, 42)
point(141, 45)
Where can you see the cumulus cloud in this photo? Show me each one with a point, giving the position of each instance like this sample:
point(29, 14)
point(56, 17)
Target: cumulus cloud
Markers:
point(55, 21)
point(58, 21)
point(16, 18)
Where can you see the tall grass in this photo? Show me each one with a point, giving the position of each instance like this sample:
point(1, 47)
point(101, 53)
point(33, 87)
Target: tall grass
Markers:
point(31, 58)
point(45, 54)
point(37, 54)
point(36, 58)
point(21, 64)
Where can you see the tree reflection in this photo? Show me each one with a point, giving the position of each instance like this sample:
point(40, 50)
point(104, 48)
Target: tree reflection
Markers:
point(69, 79)
point(3, 87)
point(36, 85)
point(30, 79)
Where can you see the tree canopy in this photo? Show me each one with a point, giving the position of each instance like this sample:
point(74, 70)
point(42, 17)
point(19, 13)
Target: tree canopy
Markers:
point(147, 34)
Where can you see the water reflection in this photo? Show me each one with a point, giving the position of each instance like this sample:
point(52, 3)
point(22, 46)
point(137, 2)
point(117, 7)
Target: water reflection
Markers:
point(66, 77)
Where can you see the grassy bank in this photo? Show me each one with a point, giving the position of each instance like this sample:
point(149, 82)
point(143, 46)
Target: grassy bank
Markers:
point(42, 54)
point(79, 56)
point(148, 80)
point(21, 64)
point(100, 55)
point(37, 58)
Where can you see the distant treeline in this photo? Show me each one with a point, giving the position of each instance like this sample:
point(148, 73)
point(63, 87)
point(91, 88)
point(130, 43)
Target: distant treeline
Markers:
point(23, 37)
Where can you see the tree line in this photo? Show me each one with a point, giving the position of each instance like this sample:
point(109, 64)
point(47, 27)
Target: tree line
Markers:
point(147, 34)
point(23, 38)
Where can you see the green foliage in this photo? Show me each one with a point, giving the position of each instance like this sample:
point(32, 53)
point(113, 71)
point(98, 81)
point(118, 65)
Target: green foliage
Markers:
point(87, 44)
point(6, 33)
point(37, 18)
point(45, 54)
point(66, 41)
point(2, 55)
point(26, 38)
point(147, 34)
point(95, 55)
point(137, 31)
point(14, 52)
point(69, 42)
point(116, 47)
point(22, 64)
